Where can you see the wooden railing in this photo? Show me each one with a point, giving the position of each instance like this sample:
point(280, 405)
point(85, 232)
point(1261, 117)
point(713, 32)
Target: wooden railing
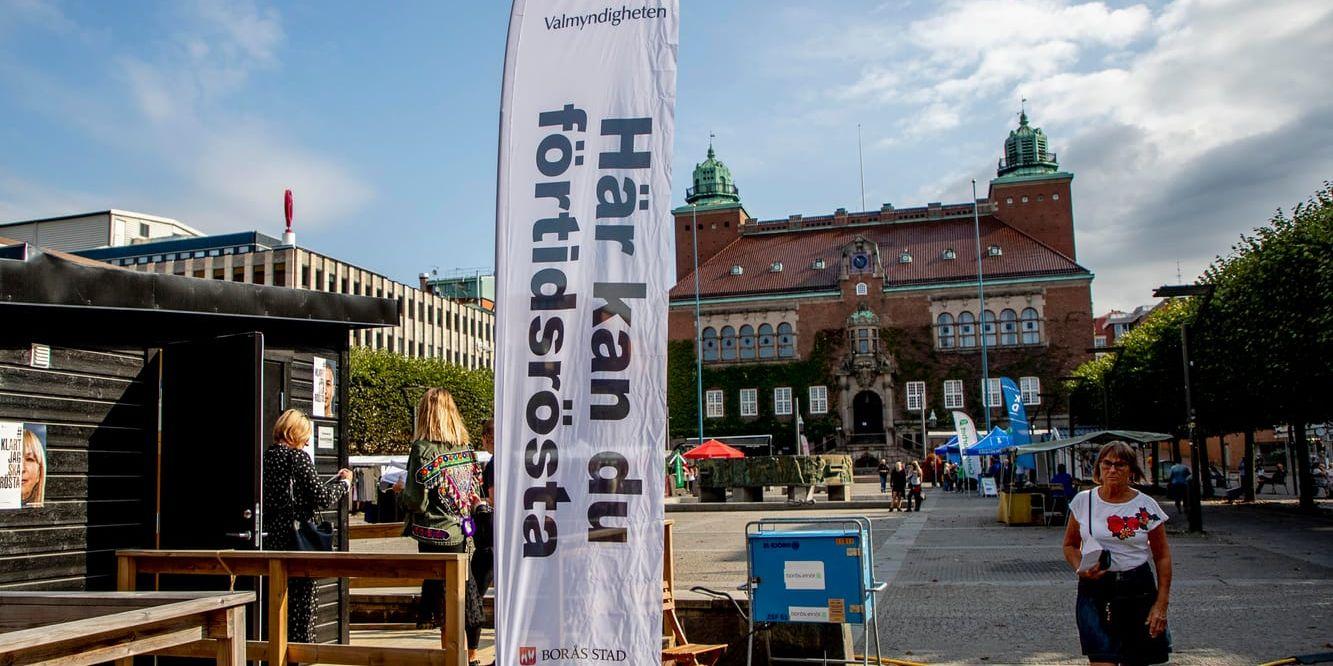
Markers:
point(280, 566)
point(75, 628)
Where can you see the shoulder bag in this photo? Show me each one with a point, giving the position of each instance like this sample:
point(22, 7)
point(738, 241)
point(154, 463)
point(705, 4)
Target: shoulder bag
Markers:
point(307, 534)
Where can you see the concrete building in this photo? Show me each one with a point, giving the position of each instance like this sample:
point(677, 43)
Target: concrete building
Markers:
point(1109, 328)
point(475, 286)
point(106, 228)
point(430, 326)
point(887, 301)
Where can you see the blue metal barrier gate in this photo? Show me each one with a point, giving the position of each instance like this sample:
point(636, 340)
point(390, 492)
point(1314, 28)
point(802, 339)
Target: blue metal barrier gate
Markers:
point(818, 570)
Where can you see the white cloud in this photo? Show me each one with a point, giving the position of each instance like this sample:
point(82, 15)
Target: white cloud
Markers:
point(1184, 126)
point(240, 175)
point(42, 13)
point(245, 32)
point(169, 103)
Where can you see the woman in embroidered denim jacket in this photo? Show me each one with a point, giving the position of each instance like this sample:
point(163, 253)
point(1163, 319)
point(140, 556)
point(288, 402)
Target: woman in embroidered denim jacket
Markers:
point(439, 475)
point(442, 487)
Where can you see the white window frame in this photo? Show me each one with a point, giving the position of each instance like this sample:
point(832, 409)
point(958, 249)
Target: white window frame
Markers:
point(818, 399)
point(1030, 387)
point(994, 396)
point(749, 402)
point(953, 394)
point(782, 401)
point(862, 289)
point(915, 393)
point(713, 404)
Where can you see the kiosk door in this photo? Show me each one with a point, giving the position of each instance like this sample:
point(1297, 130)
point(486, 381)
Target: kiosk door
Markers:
point(211, 449)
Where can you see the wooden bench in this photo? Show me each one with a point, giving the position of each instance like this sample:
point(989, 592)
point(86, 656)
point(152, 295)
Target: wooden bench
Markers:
point(680, 650)
point(280, 566)
point(74, 628)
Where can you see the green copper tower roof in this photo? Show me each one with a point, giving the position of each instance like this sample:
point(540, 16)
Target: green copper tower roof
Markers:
point(713, 184)
point(1026, 152)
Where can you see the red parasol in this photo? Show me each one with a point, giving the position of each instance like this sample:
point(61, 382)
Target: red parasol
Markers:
point(713, 449)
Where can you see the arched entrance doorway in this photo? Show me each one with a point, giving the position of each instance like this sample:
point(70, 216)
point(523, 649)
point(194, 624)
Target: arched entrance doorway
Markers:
point(867, 413)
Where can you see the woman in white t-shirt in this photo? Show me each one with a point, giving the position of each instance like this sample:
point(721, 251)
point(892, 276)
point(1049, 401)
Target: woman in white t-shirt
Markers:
point(1113, 532)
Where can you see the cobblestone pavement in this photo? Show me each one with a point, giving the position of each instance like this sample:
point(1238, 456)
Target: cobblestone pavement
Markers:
point(964, 589)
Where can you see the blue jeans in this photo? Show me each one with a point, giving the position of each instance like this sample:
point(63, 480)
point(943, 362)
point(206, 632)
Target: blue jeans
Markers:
point(883, 483)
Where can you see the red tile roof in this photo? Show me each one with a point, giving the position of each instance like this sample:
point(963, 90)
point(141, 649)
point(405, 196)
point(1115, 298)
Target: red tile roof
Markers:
point(926, 240)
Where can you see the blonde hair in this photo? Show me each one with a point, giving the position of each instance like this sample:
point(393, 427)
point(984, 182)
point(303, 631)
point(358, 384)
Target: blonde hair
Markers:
point(438, 419)
point(1121, 451)
point(293, 429)
point(30, 441)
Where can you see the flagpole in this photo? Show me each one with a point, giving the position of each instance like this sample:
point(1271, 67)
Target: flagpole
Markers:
point(698, 332)
point(861, 161)
point(981, 315)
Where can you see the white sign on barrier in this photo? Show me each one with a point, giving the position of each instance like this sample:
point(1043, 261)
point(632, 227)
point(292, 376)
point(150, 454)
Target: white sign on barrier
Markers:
point(988, 486)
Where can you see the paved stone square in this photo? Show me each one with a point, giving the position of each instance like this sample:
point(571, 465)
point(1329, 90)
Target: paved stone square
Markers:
point(965, 589)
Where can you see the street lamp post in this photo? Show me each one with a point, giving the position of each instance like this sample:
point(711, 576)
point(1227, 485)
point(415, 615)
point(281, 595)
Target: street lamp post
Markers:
point(924, 447)
point(981, 312)
point(1198, 450)
point(925, 438)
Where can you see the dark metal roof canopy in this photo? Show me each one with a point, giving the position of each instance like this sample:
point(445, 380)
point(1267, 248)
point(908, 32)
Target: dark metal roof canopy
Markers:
point(57, 296)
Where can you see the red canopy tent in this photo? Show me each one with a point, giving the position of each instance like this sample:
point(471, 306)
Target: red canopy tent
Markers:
point(713, 449)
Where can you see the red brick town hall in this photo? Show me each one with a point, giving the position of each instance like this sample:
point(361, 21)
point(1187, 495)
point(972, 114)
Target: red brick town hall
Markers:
point(862, 319)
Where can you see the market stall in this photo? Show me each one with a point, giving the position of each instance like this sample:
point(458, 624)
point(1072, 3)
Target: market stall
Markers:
point(1023, 503)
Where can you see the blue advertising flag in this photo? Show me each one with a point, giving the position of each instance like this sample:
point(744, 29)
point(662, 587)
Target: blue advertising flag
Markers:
point(1018, 415)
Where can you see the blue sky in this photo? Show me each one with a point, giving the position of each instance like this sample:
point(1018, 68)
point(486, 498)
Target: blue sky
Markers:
point(1186, 123)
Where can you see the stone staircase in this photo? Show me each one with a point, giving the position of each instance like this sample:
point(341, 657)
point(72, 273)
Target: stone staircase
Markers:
point(876, 446)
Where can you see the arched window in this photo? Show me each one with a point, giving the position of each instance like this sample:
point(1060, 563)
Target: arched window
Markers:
point(1031, 327)
point(988, 328)
point(786, 341)
point(967, 330)
point(1008, 327)
point(767, 348)
point(728, 343)
point(710, 344)
point(862, 289)
point(945, 324)
point(747, 343)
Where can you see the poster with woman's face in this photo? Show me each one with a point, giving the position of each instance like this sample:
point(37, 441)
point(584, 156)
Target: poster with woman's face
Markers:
point(23, 463)
point(326, 388)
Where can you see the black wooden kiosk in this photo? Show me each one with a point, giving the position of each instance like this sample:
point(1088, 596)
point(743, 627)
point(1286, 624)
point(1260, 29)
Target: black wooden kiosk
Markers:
point(158, 398)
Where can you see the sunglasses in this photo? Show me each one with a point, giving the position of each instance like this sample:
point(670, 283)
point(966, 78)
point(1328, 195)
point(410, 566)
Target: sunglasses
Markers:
point(1115, 464)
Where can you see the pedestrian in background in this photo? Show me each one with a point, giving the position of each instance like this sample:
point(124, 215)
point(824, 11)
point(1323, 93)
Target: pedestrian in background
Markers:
point(442, 491)
point(293, 495)
point(1321, 479)
point(1112, 533)
point(1177, 487)
point(883, 475)
point(898, 485)
point(1064, 480)
point(914, 486)
point(483, 559)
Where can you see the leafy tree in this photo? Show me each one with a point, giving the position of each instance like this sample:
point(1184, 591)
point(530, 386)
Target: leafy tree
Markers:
point(1270, 340)
point(383, 390)
point(1141, 386)
point(1262, 346)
